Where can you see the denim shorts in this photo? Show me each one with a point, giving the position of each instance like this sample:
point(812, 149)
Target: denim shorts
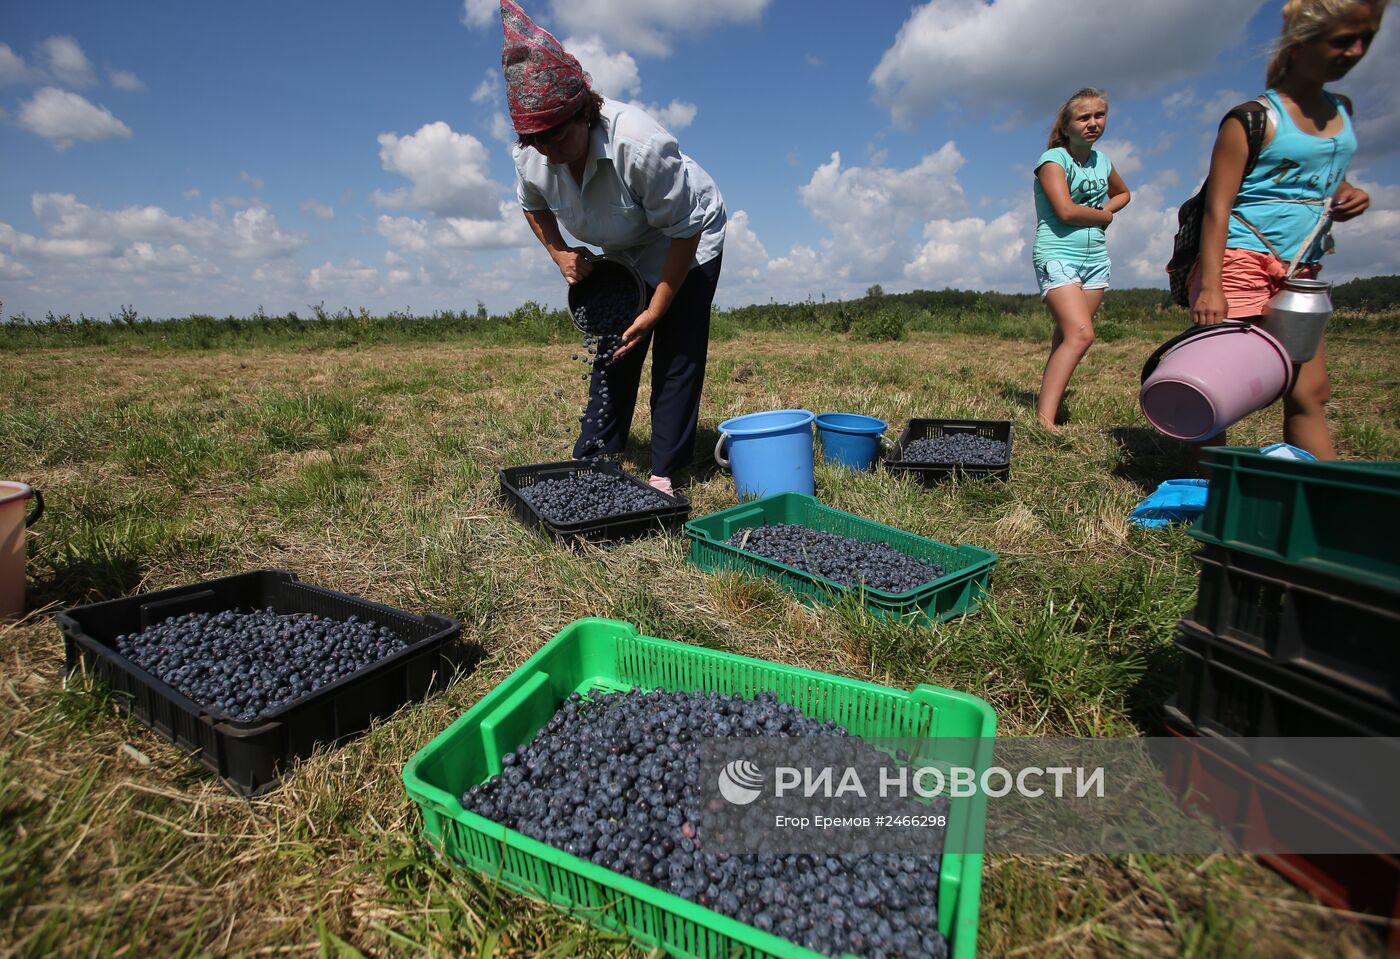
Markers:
point(1052, 273)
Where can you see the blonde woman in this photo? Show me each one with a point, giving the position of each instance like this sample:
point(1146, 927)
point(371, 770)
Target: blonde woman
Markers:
point(1254, 226)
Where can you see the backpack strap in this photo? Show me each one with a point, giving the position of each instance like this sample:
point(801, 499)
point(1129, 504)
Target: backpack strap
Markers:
point(1254, 117)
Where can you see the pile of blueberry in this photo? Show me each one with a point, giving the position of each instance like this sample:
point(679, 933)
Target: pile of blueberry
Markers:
point(616, 779)
point(582, 497)
point(965, 448)
point(604, 306)
point(840, 559)
point(247, 664)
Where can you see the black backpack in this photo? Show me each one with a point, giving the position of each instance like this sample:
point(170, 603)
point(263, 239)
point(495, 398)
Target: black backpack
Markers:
point(1186, 247)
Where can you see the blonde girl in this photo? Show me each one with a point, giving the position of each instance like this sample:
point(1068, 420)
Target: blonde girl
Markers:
point(1254, 225)
point(1077, 193)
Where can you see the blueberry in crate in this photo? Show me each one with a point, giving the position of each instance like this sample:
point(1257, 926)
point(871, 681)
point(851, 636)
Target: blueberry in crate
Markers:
point(199, 691)
point(590, 500)
point(501, 795)
point(880, 553)
point(932, 450)
point(245, 665)
point(642, 816)
point(841, 559)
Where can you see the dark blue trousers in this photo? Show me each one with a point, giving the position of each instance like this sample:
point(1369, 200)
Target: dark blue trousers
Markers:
point(679, 343)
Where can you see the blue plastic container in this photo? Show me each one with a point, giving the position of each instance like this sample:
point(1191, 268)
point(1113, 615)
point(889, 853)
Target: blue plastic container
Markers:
point(768, 452)
point(849, 439)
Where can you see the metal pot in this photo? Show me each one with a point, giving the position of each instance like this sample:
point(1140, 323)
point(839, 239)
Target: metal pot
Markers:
point(1297, 316)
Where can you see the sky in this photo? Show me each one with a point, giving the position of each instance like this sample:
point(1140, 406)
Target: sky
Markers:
point(180, 158)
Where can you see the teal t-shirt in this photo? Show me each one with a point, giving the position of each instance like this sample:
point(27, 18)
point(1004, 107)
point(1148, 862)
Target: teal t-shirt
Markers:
point(1088, 186)
point(1290, 186)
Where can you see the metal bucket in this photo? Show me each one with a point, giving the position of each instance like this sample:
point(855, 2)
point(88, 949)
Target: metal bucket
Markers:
point(606, 270)
point(14, 498)
point(1297, 316)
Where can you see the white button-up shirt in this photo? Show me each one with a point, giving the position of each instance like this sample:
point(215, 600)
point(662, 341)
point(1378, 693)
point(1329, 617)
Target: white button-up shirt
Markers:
point(639, 192)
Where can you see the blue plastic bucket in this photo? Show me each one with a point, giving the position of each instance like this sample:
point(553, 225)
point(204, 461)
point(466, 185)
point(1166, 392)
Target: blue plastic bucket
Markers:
point(768, 452)
point(849, 439)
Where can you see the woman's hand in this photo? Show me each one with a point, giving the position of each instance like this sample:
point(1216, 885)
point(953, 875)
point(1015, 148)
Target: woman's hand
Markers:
point(1210, 308)
point(637, 332)
point(575, 262)
point(1350, 202)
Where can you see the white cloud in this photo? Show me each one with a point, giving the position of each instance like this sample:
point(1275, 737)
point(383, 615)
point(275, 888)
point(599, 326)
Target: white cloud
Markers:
point(126, 80)
point(813, 60)
point(352, 276)
point(479, 13)
point(76, 230)
point(677, 115)
point(745, 259)
point(507, 230)
point(1372, 86)
point(66, 62)
point(1213, 109)
point(193, 193)
point(614, 74)
point(65, 118)
point(1179, 101)
point(448, 171)
point(256, 235)
point(801, 271)
point(256, 182)
point(11, 270)
point(642, 26)
point(1140, 237)
point(12, 67)
point(26, 244)
point(968, 40)
point(872, 210)
point(973, 253)
point(489, 88)
point(88, 257)
point(647, 26)
point(501, 129)
point(1125, 154)
point(1366, 245)
point(319, 210)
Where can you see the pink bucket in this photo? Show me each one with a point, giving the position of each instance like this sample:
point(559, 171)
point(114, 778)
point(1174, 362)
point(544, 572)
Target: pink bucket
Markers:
point(1204, 379)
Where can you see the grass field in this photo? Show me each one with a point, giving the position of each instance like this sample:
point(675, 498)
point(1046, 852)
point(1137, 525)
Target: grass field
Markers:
point(369, 467)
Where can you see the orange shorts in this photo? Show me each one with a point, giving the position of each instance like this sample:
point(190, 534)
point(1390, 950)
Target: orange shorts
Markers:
point(1249, 280)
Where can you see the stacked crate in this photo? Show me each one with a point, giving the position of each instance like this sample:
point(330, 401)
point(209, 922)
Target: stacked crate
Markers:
point(1296, 632)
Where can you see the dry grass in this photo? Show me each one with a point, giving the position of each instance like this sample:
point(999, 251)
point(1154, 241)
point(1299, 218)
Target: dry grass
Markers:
point(372, 472)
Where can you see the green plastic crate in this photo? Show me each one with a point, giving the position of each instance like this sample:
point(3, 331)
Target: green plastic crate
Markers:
point(606, 655)
point(966, 569)
point(1341, 518)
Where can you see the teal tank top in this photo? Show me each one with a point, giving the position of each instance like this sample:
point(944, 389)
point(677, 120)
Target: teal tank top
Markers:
point(1291, 185)
point(1088, 186)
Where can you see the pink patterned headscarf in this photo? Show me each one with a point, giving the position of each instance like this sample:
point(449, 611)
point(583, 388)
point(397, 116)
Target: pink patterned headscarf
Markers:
point(544, 85)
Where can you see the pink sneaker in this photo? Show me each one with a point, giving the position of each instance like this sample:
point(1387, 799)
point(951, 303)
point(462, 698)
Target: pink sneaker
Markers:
point(662, 484)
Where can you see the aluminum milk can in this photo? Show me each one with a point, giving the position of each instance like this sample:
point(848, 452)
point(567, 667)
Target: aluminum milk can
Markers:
point(1297, 315)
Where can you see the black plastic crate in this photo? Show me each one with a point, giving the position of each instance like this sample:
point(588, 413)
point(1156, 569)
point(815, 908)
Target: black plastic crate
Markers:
point(604, 529)
point(1251, 703)
point(1337, 630)
point(252, 756)
point(930, 473)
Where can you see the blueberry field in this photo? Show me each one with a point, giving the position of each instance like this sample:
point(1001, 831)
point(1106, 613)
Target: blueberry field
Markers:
point(362, 453)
